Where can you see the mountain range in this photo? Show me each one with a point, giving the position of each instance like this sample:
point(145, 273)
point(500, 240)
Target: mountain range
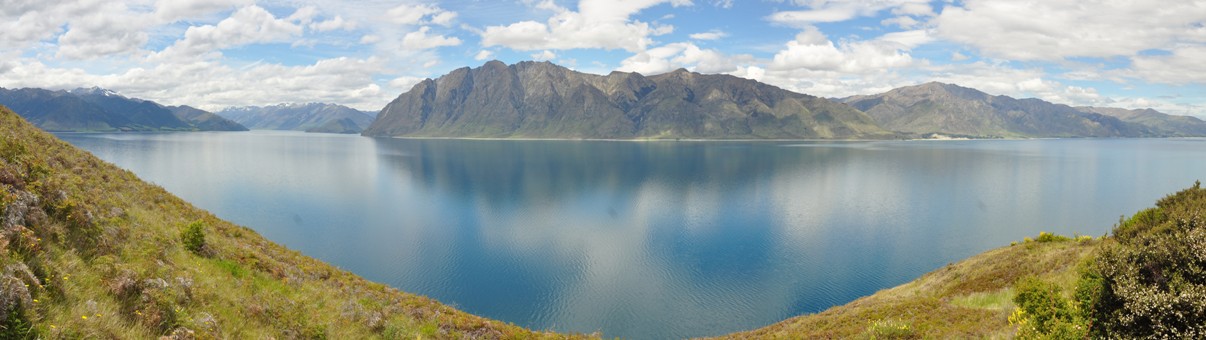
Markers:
point(97, 109)
point(312, 117)
point(543, 100)
point(1163, 124)
point(956, 110)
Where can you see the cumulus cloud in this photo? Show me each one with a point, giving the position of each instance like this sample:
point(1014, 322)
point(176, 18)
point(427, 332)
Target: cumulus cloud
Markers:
point(207, 83)
point(544, 55)
point(110, 28)
point(813, 51)
point(416, 14)
point(174, 10)
point(483, 55)
point(601, 24)
point(251, 24)
point(336, 23)
point(1184, 65)
point(673, 56)
point(1058, 29)
point(420, 40)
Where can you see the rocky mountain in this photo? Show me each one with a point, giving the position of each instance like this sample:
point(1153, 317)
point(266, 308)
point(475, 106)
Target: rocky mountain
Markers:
point(1165, 124)
point(97, 109)
point(312, 117)
point(952, 109)
point(543, 100)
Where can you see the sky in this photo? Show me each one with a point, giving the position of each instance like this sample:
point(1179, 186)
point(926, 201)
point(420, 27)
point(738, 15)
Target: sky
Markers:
point(214, 54)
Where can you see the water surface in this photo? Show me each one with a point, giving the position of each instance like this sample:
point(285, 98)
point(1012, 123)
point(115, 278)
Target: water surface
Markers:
point(651, 240)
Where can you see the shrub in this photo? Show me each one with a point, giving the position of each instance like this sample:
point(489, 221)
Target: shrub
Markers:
point(1152, 281)
point(891, 329)
point(194, 237)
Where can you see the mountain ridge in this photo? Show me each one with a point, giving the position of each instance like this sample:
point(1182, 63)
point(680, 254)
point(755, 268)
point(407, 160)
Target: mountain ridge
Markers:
point(936, 107)
point(309, 117)
point(100, 110)
point(543, 100)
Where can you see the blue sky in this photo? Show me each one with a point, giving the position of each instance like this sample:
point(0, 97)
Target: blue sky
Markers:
point(218, 53)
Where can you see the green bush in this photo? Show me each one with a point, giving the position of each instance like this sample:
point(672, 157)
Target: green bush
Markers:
point(194, 237)
point(1152, 281)
point(891, 329)
point(1049, 237)
point(1042, 304)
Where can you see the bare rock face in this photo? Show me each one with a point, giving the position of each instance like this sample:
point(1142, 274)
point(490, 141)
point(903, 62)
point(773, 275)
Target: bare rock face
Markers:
point(543, 100)
point(952, 109)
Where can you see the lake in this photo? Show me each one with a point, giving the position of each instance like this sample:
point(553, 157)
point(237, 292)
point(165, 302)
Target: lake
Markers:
point(651, 240)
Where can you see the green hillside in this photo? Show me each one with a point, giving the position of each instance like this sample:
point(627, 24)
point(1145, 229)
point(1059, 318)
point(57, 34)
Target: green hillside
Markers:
point(88, 250)
point(1146, 280)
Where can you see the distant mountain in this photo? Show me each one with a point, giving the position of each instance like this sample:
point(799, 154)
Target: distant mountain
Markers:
point(952, 109)
point(97, 109)
point(543, 100)
point(205, 120)
point(1166, 124)
point(312, 117)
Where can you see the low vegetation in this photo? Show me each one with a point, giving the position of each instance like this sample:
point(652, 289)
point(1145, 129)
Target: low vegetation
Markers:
point(1146, 280)
point(89, 251)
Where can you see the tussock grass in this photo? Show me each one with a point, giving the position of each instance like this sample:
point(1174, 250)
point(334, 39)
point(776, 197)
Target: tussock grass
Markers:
point(87, 250)
point(968, 299)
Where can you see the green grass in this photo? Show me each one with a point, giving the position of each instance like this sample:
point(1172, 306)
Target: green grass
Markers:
point(968, 299)
point(87, 250)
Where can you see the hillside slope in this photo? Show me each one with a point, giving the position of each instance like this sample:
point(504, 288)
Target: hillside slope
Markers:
point(87, 250)
point(965, 300)
point(543, 100)
point(952, 109)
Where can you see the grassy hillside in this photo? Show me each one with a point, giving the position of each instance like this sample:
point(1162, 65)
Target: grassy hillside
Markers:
point(87, 250)
point(1146, 280)
point(969, 299)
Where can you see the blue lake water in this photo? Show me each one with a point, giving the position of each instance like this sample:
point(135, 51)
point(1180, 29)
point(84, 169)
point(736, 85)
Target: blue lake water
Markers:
point(651, 240)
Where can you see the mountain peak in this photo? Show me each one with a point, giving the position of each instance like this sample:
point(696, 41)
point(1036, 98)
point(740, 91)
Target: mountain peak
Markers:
point(95, 90)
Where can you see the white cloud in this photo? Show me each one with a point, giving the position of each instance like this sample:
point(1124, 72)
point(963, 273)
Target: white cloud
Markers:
point(483, 55)
point(251, 24)
point(1185, 65)
point(414, 14)
point(812, 51)
point(1058, 29)
point(207, 84)
point(336, 23)
point(597, 24)
point(709, 35)
point(405, 83)
point(420, 40)
point(368, 39)
point(174, 10)
point(111, 28)
point(544, 55)
point(673, 56)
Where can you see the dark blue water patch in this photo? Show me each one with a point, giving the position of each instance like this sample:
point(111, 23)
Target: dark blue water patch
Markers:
point(651, 240)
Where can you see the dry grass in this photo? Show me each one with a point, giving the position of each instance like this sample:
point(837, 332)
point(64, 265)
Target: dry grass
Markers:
point(109, 262)
point(969, 299)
